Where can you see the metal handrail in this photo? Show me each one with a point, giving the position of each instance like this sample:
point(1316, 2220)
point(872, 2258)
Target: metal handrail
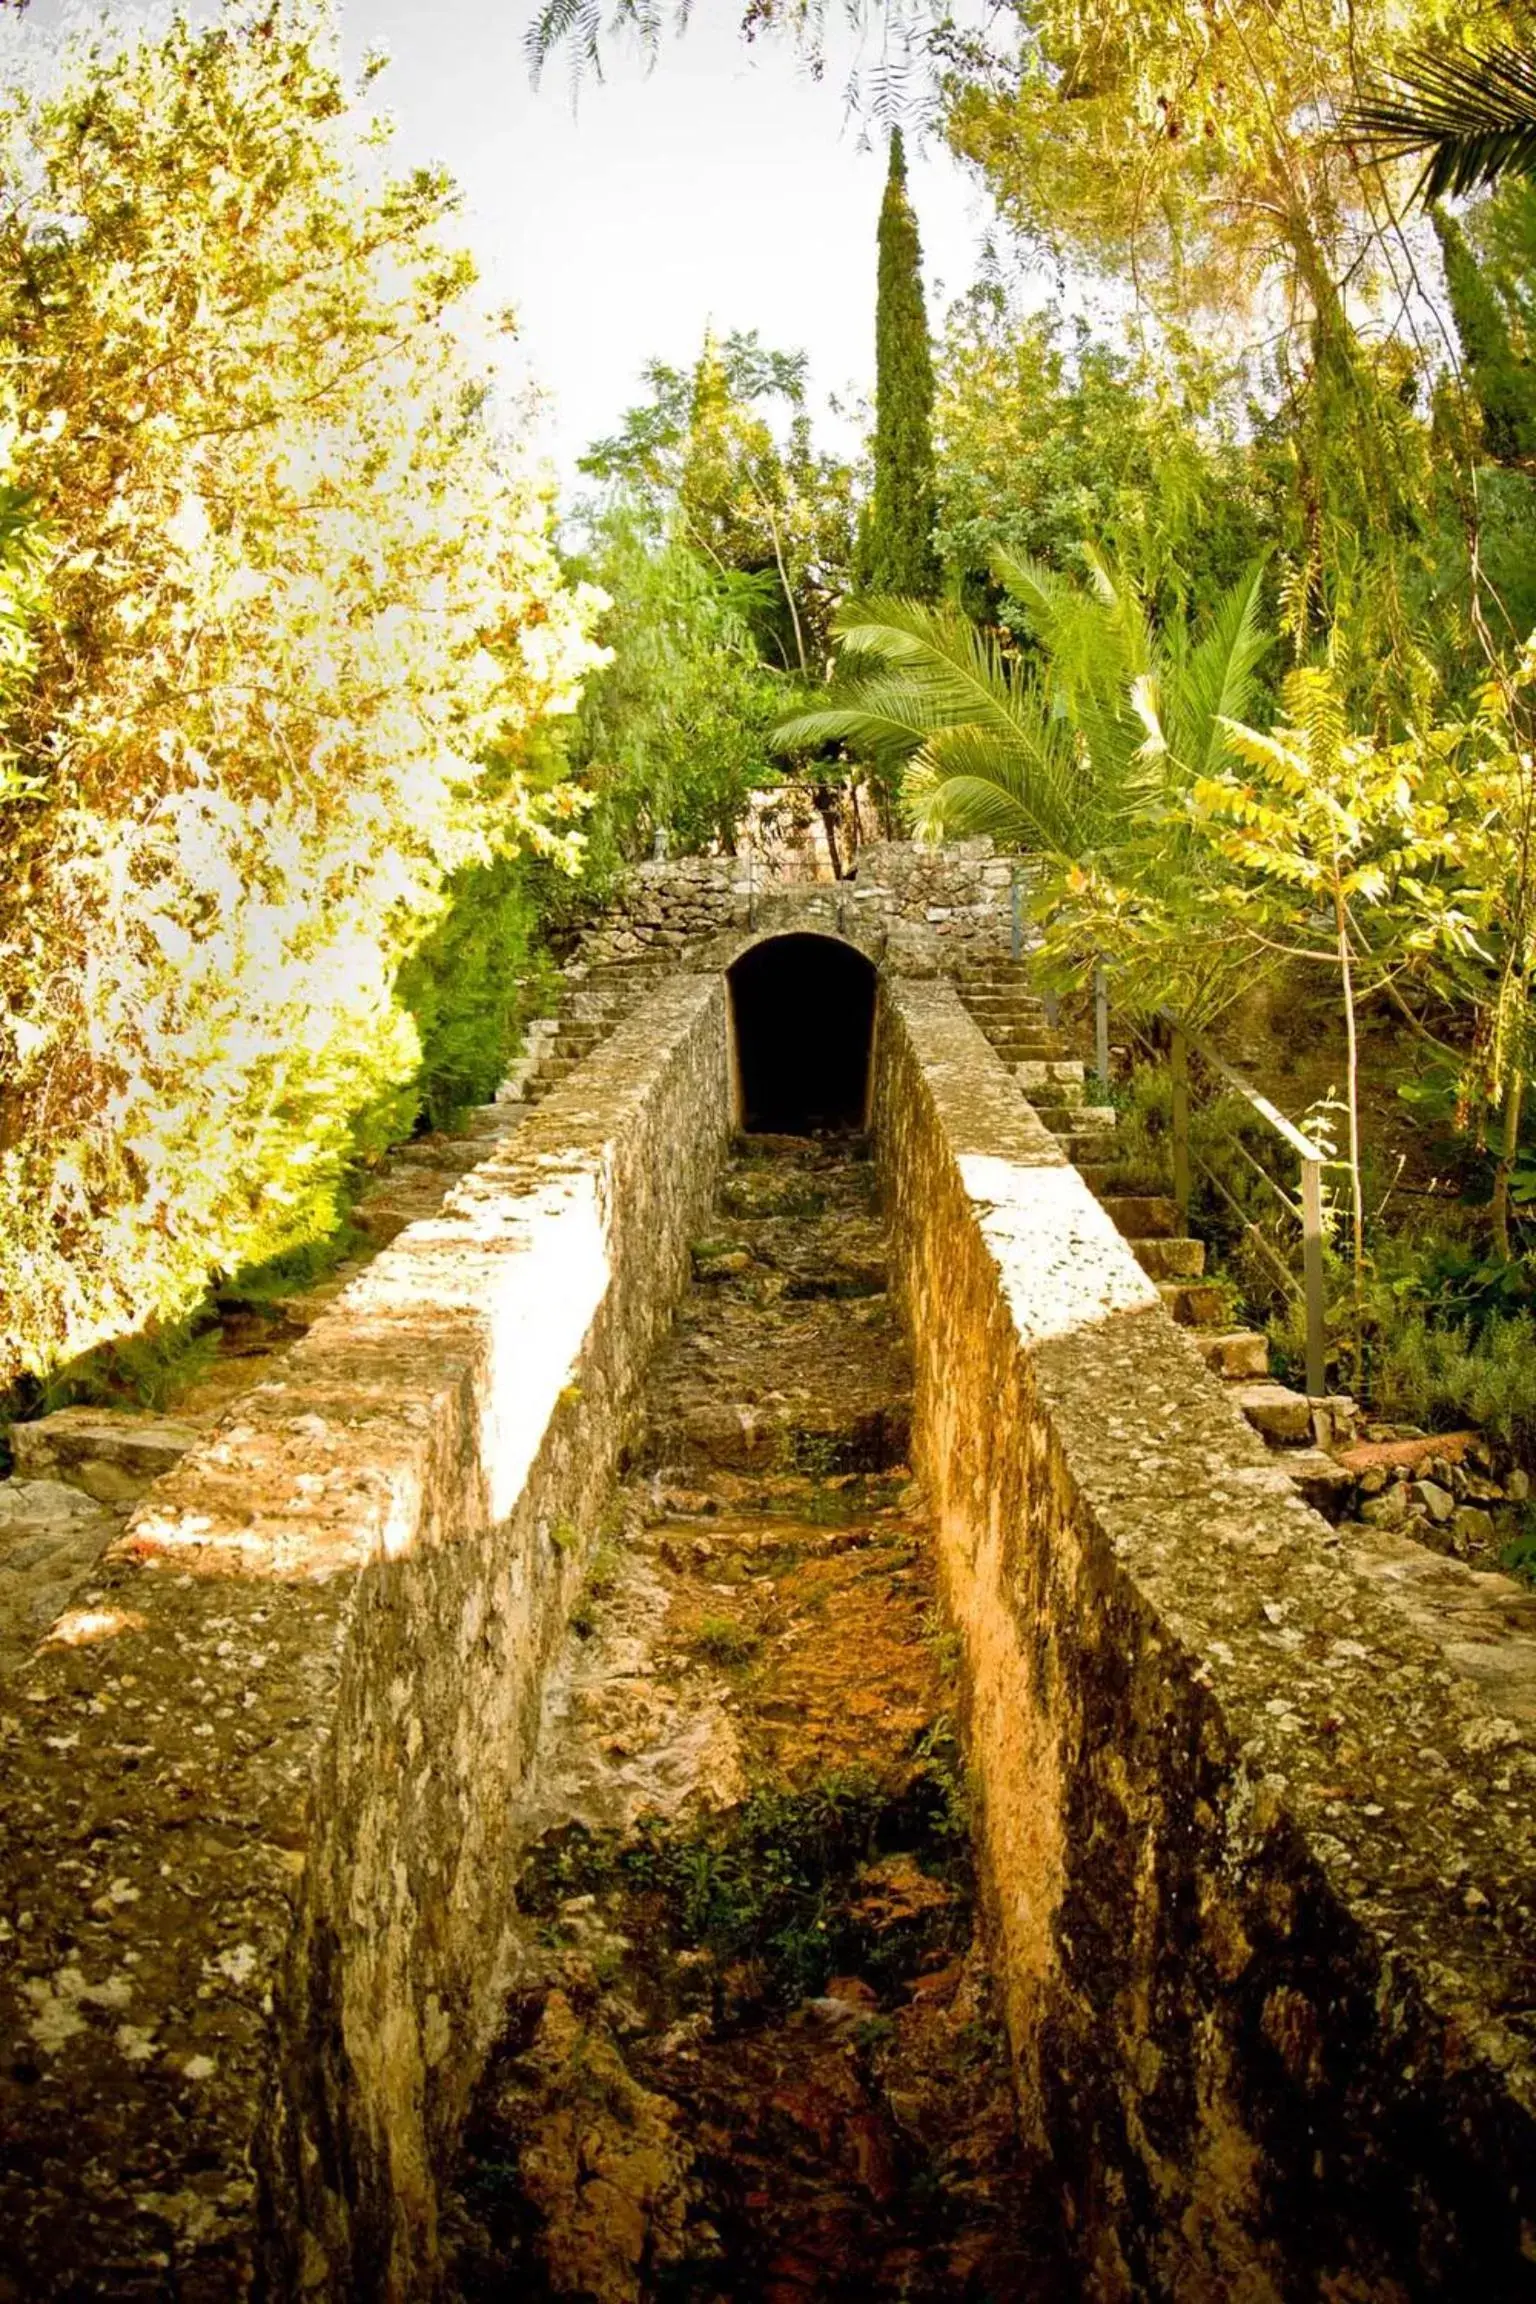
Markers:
point(1312, 1156)
point(1303, 1146)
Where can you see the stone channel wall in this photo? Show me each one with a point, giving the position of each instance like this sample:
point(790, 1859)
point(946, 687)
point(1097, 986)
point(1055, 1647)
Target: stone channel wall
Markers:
point(920, 909)
point(260, 1798)
point(1262, 1869)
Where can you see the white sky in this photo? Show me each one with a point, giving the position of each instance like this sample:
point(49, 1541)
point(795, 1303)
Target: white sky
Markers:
point(722, 186)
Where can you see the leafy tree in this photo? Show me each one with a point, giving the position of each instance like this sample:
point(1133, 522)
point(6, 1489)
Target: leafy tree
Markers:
point(1046, 435)
point(896, 549)
point(701, 454)
point(1504, 384)
point(1333, 842)
point(672, 734)
point(299, 619)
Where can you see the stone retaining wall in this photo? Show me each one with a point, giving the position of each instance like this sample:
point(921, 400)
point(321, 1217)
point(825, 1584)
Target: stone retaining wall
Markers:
point(922, 909)
point(1263, 1868)
point(259, 1801)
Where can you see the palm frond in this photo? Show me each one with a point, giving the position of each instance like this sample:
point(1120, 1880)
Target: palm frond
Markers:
point(1472, 111)
point(964, 676)
point(1098, 644)
point(884, 720)
point(964, 807)
point(1218, 679)
point(1037, 774)
point(1048, 600)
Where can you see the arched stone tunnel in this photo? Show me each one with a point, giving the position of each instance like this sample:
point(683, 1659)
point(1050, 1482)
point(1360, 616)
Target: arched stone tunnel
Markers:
point(803, 1019)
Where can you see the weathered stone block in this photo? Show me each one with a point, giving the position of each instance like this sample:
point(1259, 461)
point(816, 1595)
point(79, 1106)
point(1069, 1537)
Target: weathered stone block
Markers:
point(1143, 1216)
point(1241, 1352)
point(1275, 1411)
point(1262, 1860)
point(1320, 1480)
point(51, 1538)
point(1471, 1528)
point(1170, 1259)
point(262, 1816)
point(111, 1454)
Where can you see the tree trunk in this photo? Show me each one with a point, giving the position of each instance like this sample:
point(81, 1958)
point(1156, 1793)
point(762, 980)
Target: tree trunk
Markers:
point(1498, 1208)
point(1356, 1193)
point(826, 808)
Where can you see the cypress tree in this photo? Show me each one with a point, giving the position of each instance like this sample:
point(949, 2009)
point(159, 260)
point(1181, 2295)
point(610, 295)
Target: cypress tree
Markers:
point(1503, 384)
point(897, 552)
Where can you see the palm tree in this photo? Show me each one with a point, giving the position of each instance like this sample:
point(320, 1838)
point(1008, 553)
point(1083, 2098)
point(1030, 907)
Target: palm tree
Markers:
point(1050, 753)
point(1473, 112)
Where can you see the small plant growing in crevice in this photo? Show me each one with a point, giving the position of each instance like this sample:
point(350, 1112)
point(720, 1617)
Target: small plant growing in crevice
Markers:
point(720, 1640)
point(777, 1880)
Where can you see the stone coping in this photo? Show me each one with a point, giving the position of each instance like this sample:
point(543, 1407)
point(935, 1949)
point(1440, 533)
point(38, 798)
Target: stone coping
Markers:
point(1264, 1866)
point(258, 1794)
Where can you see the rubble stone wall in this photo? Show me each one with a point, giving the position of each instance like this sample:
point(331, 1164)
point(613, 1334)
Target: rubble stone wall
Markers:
point(1261, 1866)
point(260, 1798)
point(920, 910)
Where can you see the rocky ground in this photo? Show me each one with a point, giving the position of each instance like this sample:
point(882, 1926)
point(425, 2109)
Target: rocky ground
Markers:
point(753, 2051)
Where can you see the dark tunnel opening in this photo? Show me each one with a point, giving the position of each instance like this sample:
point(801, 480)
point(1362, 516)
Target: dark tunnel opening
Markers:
point(804, 1009)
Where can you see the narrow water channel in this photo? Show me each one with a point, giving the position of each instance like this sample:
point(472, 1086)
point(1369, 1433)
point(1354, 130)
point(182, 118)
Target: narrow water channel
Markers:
point(752, 2050)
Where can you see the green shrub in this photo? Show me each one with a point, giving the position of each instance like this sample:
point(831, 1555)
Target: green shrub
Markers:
point(1441, 1376)
point(474, 984)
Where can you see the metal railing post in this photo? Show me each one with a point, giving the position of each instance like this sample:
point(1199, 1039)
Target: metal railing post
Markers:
point(1016, 900)
point(1101, 1027)
point(1179, 1067)
point(1312, 1274)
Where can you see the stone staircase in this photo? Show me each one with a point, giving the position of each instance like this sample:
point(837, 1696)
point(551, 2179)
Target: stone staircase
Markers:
point(1054, 1081)
point(593, 1002)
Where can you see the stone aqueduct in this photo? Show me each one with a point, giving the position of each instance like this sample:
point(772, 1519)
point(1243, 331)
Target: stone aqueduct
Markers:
point(1259, 1859)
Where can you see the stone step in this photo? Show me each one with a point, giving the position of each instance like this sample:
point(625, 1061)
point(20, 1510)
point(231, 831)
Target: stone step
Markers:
point(1321, 1481)
point(1053, 1095)
point(1087, 1146)
point(1031, 1047)
point(1193, 1303)
point(1023, 1031)
point(1143, 1216)
point(1239, 1353)
point(1170, 1259)
point(1279, 1415)
point(1061, 1072)
point(598, 1008)
point(1078, 1119)
point(109, 1454)
point(1028, 1014)
point(1098, 1173)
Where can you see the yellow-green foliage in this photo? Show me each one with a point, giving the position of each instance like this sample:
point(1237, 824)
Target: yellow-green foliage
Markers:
point(1442, 1376)
point(295, 600)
